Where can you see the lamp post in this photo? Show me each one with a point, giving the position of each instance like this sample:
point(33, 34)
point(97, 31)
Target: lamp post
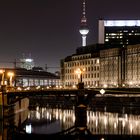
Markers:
point(3, 90)
point(79, 72)
point(2, 79)
point(3, 84)
point(81, 107)
point(10, 74)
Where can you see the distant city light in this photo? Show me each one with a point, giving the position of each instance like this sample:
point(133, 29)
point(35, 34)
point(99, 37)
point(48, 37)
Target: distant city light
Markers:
point(28, 60)
point(122, 23)
point(28, 129)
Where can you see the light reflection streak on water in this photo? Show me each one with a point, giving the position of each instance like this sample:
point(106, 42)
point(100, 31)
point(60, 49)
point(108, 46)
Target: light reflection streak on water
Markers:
point(97, 122)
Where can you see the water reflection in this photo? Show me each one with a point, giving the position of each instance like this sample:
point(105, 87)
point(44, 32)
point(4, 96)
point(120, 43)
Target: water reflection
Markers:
point(113, 123)
point(48, 120)
point(52, 120)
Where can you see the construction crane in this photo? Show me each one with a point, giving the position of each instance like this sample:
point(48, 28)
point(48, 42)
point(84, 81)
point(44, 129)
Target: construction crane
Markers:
point(15, 62)
point(46, 67)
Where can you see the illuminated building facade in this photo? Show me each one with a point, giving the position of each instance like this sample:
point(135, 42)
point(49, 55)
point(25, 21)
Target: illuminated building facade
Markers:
point(31, 78)
point(132, 66)
point(120, 67)
point(124, 32)
point(86, 58)
point(111, 67)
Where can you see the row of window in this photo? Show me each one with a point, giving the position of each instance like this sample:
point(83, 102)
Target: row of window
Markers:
point(95, 75)
point(133, 50)
point(87, 69)
point(79, 63)
point(86, 83)
point(81, 57)
point(37, 82)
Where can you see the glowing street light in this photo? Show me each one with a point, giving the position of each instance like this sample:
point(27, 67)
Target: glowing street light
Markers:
point(10, 74)
point(2, 79)
point(79, 72)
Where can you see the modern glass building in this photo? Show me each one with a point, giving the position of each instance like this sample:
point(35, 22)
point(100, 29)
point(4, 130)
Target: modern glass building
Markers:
point(124, 32)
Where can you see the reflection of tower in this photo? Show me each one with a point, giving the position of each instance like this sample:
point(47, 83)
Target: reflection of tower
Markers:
point(84, 29)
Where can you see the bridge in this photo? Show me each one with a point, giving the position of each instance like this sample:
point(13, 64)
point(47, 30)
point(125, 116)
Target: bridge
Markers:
point(16, 95)
point(18, 99)
point(13, 95)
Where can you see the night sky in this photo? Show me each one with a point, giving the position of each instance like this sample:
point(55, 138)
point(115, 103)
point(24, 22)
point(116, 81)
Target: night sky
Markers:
point(49, 29)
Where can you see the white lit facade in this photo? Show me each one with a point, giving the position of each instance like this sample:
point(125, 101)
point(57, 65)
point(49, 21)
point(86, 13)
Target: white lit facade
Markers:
point(116, 23)
point(37, 81)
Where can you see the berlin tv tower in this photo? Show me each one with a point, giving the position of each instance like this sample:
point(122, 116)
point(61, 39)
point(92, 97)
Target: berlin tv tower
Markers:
point(84, 29)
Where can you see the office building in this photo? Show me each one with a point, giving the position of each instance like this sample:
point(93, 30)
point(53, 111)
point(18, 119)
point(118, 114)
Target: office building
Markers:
point(123, 32)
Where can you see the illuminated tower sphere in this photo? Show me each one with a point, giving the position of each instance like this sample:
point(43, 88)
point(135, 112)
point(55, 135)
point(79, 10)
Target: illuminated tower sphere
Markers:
point(84, 29)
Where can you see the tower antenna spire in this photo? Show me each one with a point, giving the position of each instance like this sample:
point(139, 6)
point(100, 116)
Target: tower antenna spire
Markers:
point(84, 29)
point(84, 20)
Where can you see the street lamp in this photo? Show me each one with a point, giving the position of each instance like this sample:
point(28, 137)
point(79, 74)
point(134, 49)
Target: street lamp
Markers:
point(79, 72)
point(2, 79)
point(10, 74)
point(3, 89)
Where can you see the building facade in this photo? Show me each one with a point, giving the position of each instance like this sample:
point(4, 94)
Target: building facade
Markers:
point(30, 78)
point(132, 66)
point(86, 59)
point(120, 67)
point(110, 67)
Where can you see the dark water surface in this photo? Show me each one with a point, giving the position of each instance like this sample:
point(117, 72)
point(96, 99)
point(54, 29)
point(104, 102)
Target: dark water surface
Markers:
point(69, 122)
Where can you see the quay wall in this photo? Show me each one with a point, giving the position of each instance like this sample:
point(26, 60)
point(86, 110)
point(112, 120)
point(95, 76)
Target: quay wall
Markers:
point(7, 110)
